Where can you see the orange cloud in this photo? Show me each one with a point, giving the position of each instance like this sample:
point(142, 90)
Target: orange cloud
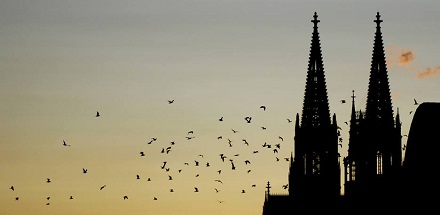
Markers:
point(429, 72)
point(406, 57)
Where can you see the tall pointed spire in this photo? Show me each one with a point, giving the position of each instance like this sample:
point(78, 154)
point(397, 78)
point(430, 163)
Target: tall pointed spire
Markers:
point(315, 108)
point(379, 110)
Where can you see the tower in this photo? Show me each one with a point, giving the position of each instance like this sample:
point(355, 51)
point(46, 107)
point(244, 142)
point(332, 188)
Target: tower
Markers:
point(314, 177)
point(374, 156)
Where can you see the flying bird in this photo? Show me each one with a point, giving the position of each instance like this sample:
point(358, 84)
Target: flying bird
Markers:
point(170, 101)
point(65, 144)
point(415, 102)
point(142, 153)
point(196, 189)
point(84, 170)
point(12, 188)
point(97, 114)
point(48, 180)
point(221, 119)
point(248, 119)
point(125, 197)
point(102, 187)
point(263, 107)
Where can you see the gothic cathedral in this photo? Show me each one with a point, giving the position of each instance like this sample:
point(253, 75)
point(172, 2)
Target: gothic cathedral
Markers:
point(373, 166)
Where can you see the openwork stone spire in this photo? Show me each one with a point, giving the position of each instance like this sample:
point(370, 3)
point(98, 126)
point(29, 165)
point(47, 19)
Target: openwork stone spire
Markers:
point(315, 107)
point(379, 110)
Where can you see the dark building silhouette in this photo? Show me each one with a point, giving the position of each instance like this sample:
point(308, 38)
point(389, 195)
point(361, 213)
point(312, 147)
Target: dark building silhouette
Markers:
point(375, 178)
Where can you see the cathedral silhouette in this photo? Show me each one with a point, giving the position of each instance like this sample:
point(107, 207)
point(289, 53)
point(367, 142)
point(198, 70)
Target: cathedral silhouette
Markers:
point(375, 177)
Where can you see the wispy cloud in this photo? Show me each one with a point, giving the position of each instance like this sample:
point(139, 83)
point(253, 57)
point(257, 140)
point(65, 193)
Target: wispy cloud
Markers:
point(429, 72)
point(404, 59)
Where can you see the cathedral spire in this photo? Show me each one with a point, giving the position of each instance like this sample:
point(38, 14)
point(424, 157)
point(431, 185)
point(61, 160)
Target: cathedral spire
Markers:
point(315, 107)
point(379, 110)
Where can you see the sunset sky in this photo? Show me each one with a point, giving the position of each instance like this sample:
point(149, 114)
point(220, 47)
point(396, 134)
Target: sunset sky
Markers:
point(62, 61)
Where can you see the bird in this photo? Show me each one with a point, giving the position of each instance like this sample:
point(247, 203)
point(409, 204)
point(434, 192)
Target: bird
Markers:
point(190, 132)
point(219, 201)
point(263, 107)
point(170, 177)
point(48, 198)
point(247, 162)
point(415, 102)
point(218, 180)
point(97, 114)
point(71, 197)
point(343, 101)
point(248, 119)
point(221, 119)
point(102, 187)
point(216, 190)
point(245, 142)
point(281, 138)
point(289, 120)
point(234, 131)
point(12, 188)
point(155, 198)
point(340, 145)
point(262, 127)
point(142, 153)
point(65, 144)
point(243, 191)
point(285, 186)
point(48, 180)
point(171, 190)
point(17, 198)
point(48, 203)
point(170, 101)
point(84, 170)
point(125, 197)
point(196, 189)
point(138, 177)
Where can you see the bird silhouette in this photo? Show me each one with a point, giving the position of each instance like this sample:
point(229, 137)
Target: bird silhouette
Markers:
point(102, 187)
point(281, 138)
point(17, 198)
point(170, 177)
point(71, 197)
point(138, 177)
point(170, 101)
point(245, 142)
point(142, 153)
point(243, 191)
point(155, 198)
point(289, 120)
point(247, 162)
point(248, 119)
point(196, 189)
point(97, 114)
point(65, 144)
point(125, 197)
point(343, 101)
point(12, 188)
point(285, 186)
point(84, 170)
point(219, 181)
point(48, 180)
point(263, 107)
point(221, 119)
point(220, 201)
point(415, 102)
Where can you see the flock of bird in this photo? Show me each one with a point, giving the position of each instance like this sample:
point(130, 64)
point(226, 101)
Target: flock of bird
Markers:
point(228, 161)
point(225, 161)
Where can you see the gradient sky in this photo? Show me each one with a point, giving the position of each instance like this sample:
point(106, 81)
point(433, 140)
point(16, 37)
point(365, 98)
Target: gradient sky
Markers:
point(61, 61)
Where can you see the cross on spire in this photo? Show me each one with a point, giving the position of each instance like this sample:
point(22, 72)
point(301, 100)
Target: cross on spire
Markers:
point(378, 20)
point(315, 20)
point(353, 96)
point(268, 188)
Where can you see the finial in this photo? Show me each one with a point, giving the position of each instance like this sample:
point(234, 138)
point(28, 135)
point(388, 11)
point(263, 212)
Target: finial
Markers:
point(378, 20)
point(268, 188)
point(315, 20)
point(353, 96)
